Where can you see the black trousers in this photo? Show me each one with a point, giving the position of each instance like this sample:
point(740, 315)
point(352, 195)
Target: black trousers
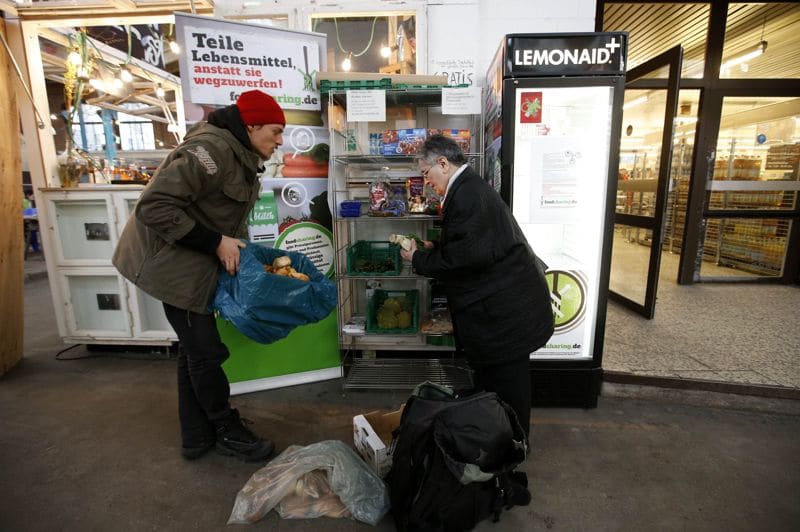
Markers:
point(511, 381)
point(203, 389)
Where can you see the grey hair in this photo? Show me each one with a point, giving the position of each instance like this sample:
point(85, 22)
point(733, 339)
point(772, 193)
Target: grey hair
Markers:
point(440, 146)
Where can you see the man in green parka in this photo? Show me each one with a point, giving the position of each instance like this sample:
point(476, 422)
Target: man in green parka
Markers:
point(188, 221)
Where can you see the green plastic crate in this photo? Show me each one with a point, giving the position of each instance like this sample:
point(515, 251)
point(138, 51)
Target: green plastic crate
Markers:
point(411, 297)
point(376, 251)
point(445, 339)
point(427, 87)
point(326, 85)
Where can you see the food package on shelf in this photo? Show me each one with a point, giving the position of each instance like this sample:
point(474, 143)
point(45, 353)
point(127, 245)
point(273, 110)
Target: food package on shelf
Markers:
point(415, 191)
point(438, 323)
point(403, 141)
point(385, 200)
point(462, 137)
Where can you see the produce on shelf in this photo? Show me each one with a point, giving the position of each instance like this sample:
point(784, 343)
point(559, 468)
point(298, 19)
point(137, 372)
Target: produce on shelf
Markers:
point(404, 241)
point(363, 265)
point(283, 266)
point(394, 314)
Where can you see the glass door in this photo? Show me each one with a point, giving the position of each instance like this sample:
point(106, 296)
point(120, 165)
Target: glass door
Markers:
point(643, 183)
point(752, 197)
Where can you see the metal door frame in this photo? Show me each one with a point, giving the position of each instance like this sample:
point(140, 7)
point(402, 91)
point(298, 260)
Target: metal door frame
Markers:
point(672, 59)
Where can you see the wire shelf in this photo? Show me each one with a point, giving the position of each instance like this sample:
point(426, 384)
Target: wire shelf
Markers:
point(407, 373)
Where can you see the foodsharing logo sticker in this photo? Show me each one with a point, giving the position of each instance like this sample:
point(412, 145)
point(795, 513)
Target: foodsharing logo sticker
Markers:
point(567, 298)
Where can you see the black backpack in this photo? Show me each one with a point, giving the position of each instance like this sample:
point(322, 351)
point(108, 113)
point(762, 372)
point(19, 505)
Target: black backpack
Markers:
point(453, 459)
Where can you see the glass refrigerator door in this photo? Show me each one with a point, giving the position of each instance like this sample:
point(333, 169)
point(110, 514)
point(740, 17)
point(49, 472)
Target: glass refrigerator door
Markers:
point(561, 152)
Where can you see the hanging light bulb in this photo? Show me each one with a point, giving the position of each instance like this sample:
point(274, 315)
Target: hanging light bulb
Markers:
point(347, 64)
point(174, 46)
point(75, 58)
point(386, 51)
point(97, 84)
point(83, 73)
point(125, 75)
point(118, 83)
point(160, 91)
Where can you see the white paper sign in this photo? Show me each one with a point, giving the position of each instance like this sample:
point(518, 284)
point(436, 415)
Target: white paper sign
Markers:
point(221, 59)
point(458, 71)
point(366, 106)
point(464, 101)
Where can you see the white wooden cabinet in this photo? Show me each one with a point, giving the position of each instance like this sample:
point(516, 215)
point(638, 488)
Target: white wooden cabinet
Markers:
point(93, 303)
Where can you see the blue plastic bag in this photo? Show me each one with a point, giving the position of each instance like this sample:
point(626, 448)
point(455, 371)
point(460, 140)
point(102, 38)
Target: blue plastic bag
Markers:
point(266, 307)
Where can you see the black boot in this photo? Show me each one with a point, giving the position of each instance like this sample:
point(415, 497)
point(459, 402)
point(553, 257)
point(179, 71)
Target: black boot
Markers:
point(193, 452)
point(195, 446)
point(235, 439)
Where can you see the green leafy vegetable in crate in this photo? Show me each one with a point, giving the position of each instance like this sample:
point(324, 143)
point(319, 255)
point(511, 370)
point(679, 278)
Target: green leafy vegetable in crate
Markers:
point(375, 266)
point(394, 314)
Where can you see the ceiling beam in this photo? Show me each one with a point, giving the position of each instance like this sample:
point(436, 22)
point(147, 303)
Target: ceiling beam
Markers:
point(137, 67)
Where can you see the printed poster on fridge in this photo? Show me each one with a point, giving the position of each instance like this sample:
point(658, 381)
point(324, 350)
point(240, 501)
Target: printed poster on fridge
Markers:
point(562, 135)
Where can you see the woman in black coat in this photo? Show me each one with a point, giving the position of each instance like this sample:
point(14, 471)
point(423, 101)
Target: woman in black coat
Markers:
point(495, 285)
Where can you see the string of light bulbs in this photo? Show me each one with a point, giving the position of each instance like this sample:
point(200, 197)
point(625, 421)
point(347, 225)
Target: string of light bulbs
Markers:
point(347, 63)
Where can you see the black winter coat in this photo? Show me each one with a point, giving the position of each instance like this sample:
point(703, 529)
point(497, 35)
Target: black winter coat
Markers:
point(495, 285)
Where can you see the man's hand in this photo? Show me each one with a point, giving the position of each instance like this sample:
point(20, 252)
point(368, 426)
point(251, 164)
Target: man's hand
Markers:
point(228, 253)
point(408, 254)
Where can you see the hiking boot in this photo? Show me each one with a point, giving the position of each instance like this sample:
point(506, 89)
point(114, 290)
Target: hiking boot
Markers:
point(235, 439)
point(193, 452)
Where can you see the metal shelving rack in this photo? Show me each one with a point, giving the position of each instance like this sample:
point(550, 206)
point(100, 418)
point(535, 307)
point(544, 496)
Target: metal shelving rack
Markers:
point(419, 357)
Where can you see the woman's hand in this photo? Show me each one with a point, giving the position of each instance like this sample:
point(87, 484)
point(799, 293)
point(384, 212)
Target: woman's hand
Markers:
point(228, 253)
point(408, 254)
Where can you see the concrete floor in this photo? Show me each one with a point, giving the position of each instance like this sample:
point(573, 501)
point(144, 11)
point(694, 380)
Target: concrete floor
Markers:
point(741, 334)
point(92, 444)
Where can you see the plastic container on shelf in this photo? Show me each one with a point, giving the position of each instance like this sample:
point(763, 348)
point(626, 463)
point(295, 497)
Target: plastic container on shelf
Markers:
point(408, 302)
point(350, 209)
point(371, 257)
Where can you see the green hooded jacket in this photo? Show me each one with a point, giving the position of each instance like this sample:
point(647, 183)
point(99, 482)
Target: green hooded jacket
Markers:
point(210, 179)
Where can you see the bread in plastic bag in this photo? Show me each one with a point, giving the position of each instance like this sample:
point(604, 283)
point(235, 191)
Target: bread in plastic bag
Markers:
point(360, 490)
point(312, 497)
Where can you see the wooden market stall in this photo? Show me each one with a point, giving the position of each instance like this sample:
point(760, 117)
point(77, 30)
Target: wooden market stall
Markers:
point(81, 199)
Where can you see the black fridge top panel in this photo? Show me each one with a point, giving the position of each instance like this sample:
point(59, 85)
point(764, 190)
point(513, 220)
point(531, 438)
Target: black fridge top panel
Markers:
point(564, 54)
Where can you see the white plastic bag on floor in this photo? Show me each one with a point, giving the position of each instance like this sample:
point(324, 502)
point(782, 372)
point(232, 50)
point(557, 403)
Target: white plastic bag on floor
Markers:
point(360, 490)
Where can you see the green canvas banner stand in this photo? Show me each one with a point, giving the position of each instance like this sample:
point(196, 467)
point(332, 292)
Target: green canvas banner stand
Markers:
point(308, 354)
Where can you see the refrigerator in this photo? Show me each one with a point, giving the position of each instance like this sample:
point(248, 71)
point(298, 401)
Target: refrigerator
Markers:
point(553, 111)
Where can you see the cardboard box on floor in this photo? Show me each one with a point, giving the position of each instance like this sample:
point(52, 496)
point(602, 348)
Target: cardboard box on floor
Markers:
point(372, 436)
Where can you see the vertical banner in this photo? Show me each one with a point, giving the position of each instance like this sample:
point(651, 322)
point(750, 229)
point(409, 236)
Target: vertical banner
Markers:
point(219, 60)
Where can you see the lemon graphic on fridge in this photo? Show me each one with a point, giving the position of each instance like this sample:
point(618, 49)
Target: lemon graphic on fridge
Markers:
point(567, 298)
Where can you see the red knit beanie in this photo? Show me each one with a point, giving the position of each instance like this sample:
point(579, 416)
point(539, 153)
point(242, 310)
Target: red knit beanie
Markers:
point(257, 108)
